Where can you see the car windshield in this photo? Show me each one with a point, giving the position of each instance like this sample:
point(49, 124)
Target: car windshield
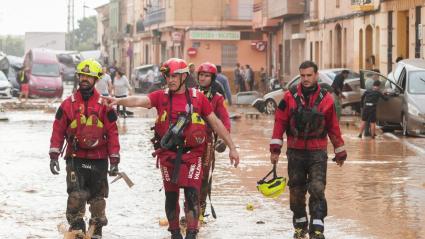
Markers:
point(143, 71)
point(351, 75)
point(45, 69)
point(417, 82)
point(2, 76)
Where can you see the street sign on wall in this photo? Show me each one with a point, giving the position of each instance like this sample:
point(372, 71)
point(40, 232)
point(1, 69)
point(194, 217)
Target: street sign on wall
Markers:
point(215, 35)
point(192, 52)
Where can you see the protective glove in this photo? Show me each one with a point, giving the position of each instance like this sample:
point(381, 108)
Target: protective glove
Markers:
point(275, 148)
point(113, 170)
point(341, 156)
point(54, 163)
point(114, 160)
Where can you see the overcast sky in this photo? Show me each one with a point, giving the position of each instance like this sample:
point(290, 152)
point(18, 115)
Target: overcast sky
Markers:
point(20, 16)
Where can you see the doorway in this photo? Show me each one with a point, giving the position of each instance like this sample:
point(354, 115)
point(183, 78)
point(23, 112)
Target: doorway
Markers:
point(338, 46)
point(403, 34)
point(370, 58)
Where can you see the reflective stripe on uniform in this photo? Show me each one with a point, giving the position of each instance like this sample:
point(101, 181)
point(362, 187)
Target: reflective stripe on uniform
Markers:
point(339, 149)
point(318, 222)
point(299, 220)
point(114, 156)
point(276, 141)
point(54, 150)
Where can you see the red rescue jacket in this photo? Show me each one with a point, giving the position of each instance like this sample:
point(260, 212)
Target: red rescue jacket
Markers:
point(283, 119)
point(218, 104)
point(195, 132)
point(102, 132)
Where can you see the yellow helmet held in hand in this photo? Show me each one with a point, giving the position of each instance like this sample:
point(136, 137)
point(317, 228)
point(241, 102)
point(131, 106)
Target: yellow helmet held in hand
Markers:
point(273, 187)
point(90, 67)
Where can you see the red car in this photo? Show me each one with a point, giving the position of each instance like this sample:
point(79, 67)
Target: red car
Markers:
point(44, 73)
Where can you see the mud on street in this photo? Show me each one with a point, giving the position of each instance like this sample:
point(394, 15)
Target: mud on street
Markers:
point(378, 193)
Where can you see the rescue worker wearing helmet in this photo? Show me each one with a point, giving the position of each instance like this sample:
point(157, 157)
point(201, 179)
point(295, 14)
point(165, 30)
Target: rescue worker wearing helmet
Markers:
point(207, 73)
point(91, 134)
point(180, 131)
point(308, 116)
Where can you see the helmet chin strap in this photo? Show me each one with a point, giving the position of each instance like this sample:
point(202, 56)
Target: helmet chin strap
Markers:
point(86, 92)
point(182, 82)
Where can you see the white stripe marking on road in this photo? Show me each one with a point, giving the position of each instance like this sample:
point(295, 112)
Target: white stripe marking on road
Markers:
point(413, 147)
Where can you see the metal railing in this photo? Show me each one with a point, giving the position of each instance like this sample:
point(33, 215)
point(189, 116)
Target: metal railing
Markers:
point(360, 2)
point(244, 11)
point(154, 16)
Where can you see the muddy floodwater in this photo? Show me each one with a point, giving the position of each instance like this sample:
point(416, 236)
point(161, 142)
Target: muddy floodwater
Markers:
point(378, 193)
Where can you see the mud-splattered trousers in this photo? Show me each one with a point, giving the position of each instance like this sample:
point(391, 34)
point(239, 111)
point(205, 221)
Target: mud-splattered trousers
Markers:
point(87, 183)
point(307, 172)
point(190, 180)
point(208, 163)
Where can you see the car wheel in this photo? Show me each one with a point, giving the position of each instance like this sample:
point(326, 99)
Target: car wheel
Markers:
point(385, 128)
point(357, 107)
point(404, 125)
point(270, 106)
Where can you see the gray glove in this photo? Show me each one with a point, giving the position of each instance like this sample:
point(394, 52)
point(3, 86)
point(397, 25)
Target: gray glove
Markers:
point(113, 170)
point(54, 166)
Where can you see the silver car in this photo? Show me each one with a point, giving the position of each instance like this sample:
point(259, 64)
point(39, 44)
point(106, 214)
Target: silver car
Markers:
point(405, 108)
point(5, 86)
point(146, 78)
point(351, 90)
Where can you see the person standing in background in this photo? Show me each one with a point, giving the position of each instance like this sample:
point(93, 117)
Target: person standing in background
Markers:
point(104, 85)
point(192, 80)
point(122, 89)
point(238, 79)
point(24, 83)
point(224, 81)
point(249, 75)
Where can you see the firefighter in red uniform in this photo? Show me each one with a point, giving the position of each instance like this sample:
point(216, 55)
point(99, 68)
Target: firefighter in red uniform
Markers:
point(180, 137)
point(91, 134)
point(308, 116)
point(207, 73)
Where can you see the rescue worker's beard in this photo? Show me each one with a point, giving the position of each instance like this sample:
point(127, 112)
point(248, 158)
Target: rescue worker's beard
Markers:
point(308, 91)
point(86, 90)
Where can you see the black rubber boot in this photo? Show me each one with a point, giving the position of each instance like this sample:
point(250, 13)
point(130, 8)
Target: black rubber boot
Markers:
point(97, 233)
point(176, 234)
point(191, 234)
point(78, 225)
point(317, 235)
point(300, 233)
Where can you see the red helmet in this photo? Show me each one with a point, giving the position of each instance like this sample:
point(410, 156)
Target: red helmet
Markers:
point(174, 66)
point(208, 68)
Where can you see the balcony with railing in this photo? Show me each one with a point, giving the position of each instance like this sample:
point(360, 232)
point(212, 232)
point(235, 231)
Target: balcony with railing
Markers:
point(260, 17)
point(362, 5)
point(241, 11)
point(285, 8)
point(154, 16)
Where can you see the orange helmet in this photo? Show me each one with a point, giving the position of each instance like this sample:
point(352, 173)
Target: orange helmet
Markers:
point(174, 66)
point(208, 68)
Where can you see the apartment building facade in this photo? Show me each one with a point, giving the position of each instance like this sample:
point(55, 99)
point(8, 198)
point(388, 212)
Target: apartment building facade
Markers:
point(151, 31)
point(275, 34)
point(364, 34)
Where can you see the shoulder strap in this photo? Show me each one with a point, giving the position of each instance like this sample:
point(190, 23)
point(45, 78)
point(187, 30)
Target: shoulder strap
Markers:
point(294, 92)
point(319, 98)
